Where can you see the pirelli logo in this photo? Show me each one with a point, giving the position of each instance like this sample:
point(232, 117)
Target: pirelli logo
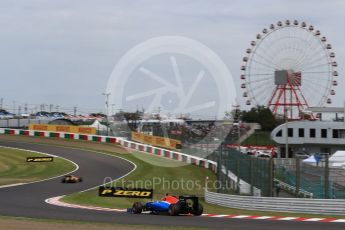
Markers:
point(39, 159)
point(125, 192)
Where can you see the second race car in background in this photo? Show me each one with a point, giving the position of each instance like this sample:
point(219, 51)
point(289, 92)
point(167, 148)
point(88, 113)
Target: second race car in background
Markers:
point(71, 179)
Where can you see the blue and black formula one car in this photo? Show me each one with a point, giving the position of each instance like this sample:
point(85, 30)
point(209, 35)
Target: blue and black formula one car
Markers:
point(183, 205)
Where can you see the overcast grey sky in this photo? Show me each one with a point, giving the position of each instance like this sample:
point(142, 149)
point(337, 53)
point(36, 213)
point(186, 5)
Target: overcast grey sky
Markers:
point(62, 52)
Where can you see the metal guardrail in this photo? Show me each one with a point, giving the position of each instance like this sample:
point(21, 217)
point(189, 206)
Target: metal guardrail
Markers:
point(295, 205)
point(292, 189)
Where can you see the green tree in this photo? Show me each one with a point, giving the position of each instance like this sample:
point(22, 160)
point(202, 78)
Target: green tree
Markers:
point(133, 119)
point(261, 115)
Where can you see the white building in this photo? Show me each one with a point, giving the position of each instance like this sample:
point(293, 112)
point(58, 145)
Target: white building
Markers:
point(311, 136)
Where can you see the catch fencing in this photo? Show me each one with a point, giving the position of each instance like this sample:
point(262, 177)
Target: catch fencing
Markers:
point(256, 174)
point(319, 179)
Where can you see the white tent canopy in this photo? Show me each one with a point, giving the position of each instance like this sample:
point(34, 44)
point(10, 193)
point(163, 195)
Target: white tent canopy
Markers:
point(96, 124)
point(337, 159)
point(310, 160)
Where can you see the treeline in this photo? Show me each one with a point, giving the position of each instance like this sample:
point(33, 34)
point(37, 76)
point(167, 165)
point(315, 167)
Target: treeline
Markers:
point(263, 116)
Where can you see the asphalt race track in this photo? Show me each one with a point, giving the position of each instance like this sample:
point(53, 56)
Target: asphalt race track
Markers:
point(28, 200)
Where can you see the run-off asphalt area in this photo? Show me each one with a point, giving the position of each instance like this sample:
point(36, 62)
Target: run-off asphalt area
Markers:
point(28, 200)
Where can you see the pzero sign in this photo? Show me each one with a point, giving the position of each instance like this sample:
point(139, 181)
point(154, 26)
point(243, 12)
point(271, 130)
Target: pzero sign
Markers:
point(39, 159)
point(125, 192)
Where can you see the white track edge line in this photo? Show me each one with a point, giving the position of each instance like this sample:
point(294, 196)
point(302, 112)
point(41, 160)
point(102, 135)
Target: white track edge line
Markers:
point(50, 178)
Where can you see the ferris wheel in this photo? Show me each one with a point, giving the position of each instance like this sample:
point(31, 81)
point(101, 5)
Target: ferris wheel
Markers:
point(289, 67)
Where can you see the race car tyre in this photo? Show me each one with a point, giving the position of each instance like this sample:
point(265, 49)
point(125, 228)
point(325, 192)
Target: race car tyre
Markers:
point(80, 179)
point(137, 208)
point(63, 180)
point(174, 209)
point(199, 210)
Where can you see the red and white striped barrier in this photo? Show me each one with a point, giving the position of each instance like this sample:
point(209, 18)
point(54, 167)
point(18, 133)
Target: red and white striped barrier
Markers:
point(305, 219)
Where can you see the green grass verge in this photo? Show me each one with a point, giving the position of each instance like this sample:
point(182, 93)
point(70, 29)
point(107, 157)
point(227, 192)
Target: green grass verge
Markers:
point(14, 168)
point(35, 223)
point(259, 138)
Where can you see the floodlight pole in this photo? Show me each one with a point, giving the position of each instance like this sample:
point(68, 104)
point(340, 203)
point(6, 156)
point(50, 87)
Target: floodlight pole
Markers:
point(107, 107)
point(286, 135)
point(344, 112)
point(239, 137)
